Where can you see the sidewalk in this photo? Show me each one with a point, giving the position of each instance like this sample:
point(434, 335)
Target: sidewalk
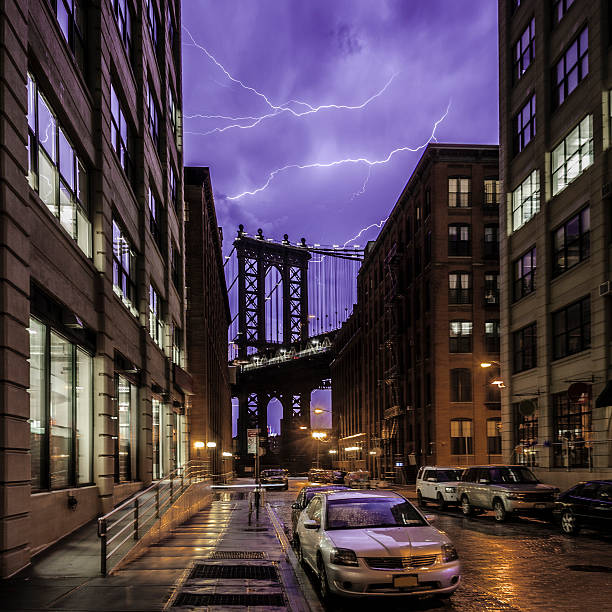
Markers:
point(216, 560)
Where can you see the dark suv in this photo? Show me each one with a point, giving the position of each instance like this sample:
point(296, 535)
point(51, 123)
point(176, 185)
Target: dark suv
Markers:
point(588, 504)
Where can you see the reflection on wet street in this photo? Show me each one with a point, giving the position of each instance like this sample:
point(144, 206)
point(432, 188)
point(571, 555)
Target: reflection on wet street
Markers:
point(519, 565)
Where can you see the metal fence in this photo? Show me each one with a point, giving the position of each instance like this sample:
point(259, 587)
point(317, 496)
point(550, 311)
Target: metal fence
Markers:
point(123, 526)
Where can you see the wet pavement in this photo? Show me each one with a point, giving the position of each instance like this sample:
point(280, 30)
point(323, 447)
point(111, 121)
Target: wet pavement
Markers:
point(520, 565)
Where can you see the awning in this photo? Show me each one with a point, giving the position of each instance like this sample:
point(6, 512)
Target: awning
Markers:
point(605, 397)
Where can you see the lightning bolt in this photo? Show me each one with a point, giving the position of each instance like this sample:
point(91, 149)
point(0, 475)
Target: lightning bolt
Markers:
point(365, 184)
point(339, 162)
point(365, 229)
point(276, 109)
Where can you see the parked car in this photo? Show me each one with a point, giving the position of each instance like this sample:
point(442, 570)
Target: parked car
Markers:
point(305, 495)
point(438, 484)
point(505, 489)
point(338, 476)
point(357, 480)
point(588, 504)
point(375, 543)
point(317, 475)
point(275, 476)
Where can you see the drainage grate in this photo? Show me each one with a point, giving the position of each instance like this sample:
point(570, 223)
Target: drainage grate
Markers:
point(591, 568)
point(237, 554)
point(244, 572)
point(229, 599)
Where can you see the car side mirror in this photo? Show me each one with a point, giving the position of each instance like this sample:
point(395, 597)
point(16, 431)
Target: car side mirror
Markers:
point(310, 524)
point(296, 506)
point(431, 518)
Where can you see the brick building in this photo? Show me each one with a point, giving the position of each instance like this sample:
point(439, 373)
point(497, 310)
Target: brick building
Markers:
point(407, 385)
point(555, 136)
point(94, 390)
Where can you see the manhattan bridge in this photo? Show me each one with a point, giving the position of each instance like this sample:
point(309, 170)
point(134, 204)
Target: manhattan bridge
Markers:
point(287, 301)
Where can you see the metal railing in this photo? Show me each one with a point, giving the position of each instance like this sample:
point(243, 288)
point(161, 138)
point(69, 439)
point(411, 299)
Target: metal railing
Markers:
point(129, 522)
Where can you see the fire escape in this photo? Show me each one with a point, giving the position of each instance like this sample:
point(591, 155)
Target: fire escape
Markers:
point(390, 426)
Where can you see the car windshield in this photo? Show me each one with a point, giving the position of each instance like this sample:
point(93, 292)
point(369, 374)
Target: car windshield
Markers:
point(512, 475)
point(273, 473)
point(448, 475)
point(310, 494)
point(371, 513)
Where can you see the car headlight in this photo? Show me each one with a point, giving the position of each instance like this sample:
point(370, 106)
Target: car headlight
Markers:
point(513, 496)
point(450, 489)
point(344, 556)
point(449, 553)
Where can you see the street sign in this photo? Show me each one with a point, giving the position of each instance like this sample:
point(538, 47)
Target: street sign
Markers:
point(252, 441)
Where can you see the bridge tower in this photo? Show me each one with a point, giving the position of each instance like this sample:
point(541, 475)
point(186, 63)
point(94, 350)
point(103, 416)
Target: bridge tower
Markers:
point(256, 256)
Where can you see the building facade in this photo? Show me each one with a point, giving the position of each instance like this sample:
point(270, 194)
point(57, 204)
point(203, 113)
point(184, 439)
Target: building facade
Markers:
point(427, 316)
point(208, 318)
point(93, 379)
point(555, 109)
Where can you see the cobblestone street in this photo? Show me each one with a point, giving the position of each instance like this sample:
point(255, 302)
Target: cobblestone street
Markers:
point(520, 565)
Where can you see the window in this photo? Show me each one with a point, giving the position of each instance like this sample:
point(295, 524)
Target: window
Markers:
point(152, 22)
point(124, 269)
point(494, 440)
point(524, 274)
point(123, 15)
point(427, 209)
point(55, 170)
point(70, 16)
point(153, 115)
point(175, 265)
point(572, 328)
point(418, 216)
point(491, 288)
point(61, 410)
point(156, 323)
point(459, 288)
point(492, 388)
point(459, 192)
point(461, 437)
point(525, 342)
point(460, 337)
point(173, 111)
point(155, 219)
point(177, 345)
point(491, 241)
point(572, 429)
point(461, 385)
point(526, 433)
point(126, 400)
point(573, 155)
point(525, 125)
point(171, 29)
point(492, 336)
point(121, 136)
point(427, 247)
point(491, 188)
point(524, 50)
point(571, 242)
point(571, 68)
point(172, 186)
point(157, 409)
point(459, 240)
point(560, 7)
point(526, 200)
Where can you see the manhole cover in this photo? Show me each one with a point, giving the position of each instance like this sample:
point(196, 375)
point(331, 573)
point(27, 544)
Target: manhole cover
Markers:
point(237, 554)
point(255, 529)
point(229, 599)
point(591, 568)
point(244, 572)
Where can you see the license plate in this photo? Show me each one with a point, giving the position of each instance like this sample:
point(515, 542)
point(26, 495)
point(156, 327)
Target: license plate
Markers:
point(405, 581)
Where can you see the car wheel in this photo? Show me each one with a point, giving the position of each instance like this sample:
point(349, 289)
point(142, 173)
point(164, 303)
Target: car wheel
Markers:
point(466, 508)
point(422, 503)
point(500, 511)
point(569, 524)
point(298, 551)
point(326, 594)
point(441, 501)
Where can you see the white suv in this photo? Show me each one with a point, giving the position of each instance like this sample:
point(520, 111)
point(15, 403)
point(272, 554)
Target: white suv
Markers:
point(438, 484)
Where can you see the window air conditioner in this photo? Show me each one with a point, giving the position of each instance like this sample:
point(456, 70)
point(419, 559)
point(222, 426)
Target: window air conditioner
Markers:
point(604, 288)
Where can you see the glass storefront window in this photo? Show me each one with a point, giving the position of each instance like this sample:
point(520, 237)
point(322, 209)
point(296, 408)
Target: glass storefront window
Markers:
point(125, 438)
point(158, 471)
point(84, 414)
point(37, 420)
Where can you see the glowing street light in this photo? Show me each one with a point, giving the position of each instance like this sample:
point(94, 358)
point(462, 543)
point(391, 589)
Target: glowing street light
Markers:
point(198, 445)
point(211, 445)
point(333, 452)
point(318, 436)
point(226, 454)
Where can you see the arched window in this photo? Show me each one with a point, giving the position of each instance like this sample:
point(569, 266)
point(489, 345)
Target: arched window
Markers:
point(461, 385)
point(462, 442)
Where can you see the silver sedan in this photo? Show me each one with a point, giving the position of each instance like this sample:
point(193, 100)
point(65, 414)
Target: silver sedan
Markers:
point(375, 543)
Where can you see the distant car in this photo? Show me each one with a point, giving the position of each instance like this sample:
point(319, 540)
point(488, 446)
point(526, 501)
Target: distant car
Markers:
point(505, 489)
point(587, 505)
point(275, 476)
point(305, 495)
point(357, 480)
point(338, 476)
point(438, 484)
point(375, 543)
point(317, 475)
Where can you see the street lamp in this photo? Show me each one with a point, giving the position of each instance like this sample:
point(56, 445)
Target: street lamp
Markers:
point(498, 381)
point(318, 436)
point(211, 445)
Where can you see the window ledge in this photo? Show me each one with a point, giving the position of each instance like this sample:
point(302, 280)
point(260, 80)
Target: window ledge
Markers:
point(566, 273)
point(583, 354)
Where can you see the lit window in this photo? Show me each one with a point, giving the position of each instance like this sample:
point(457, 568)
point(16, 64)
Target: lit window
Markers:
point(177, 345)
point(461, 437)
point(55, 170)
point(126, 401)
point(494, 440)
point(459, 192)
point(491, 187)
point(124, 269)
point(571, 68)
point(459, 288)
point(459, 240)
point(460, 337)
point(491, 288)
point(573, 155)
point(526, 200)
point(492, 336)
point(156, 323)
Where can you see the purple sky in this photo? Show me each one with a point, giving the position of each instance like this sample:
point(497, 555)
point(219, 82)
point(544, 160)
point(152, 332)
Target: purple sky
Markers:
point(321, 53)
